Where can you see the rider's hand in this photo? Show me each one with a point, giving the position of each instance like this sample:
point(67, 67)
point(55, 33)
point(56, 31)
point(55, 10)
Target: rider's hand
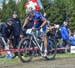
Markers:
point(33, 28)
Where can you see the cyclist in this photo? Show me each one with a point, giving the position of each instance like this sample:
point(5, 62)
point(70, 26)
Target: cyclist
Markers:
point(39, 22)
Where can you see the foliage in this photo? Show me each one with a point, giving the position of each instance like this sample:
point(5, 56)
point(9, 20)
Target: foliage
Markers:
point(7, 9)
point(57, 10)
point(21, 9)
point(61, 10)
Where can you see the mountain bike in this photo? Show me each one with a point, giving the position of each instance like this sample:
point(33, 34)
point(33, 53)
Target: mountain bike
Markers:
point(27, 46)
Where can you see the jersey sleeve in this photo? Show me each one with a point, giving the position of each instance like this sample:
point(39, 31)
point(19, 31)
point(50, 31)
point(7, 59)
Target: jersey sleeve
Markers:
point(42, 16)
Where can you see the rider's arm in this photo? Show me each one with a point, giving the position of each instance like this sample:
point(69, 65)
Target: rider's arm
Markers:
point(25, 22)
point(44, 22)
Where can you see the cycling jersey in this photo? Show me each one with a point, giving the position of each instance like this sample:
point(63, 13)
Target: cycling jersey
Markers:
point(37, 18)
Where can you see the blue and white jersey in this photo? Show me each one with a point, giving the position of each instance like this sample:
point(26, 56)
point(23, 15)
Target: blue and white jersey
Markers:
point(37, 18)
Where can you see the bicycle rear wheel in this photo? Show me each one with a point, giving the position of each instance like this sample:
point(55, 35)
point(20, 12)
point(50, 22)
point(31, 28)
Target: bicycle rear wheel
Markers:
point(52, 49)
point(25, 50)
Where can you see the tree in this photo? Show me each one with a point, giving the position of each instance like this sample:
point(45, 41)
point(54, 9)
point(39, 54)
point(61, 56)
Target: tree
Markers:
point(4, 15)
point(8, 8)
point(21, 9)
point(57, 10)
point(61, 10)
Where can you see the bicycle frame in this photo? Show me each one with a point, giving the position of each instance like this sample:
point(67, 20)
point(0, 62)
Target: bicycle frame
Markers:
point(28, 50)
point(35, 42)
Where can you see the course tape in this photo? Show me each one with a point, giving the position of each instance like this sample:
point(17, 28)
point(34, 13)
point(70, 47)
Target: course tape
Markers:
point(3, 51)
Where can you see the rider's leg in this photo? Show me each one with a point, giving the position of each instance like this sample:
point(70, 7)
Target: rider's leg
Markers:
point(45, 40)
point(45, 44)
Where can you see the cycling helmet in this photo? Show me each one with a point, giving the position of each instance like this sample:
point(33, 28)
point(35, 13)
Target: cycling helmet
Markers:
point(29, 10)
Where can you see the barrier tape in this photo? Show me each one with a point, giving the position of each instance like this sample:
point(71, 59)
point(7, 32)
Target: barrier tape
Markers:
point(23, 49)
point(3, 51)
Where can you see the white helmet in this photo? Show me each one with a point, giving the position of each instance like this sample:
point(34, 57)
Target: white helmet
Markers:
point(29, 10)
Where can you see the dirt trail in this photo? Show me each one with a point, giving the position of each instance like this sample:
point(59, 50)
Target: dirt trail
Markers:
point(57, 63)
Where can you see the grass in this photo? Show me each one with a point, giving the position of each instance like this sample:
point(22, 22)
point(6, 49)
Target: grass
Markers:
point(9, 60)
point(70, 55)
point(61, 55)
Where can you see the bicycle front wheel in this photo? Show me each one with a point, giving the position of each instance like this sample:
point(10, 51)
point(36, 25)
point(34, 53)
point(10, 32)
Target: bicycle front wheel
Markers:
point(51, 49)
point(25, 50)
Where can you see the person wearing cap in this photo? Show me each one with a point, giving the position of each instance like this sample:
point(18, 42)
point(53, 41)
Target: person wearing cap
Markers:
point(39, 22)
point(16, 29)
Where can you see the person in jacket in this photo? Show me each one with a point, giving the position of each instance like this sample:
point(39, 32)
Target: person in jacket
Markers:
point(64, 31)
point(16, 30)
point(6, 32)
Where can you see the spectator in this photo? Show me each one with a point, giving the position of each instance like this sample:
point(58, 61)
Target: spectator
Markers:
point(72, 40)
point(52, 30)
point(16, 29)
point(6, 31)
point(65, 34)
point(29, 24)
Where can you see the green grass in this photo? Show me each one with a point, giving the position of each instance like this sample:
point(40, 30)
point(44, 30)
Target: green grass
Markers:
point(66, 55)
point(69, 55)
point(9, 60)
